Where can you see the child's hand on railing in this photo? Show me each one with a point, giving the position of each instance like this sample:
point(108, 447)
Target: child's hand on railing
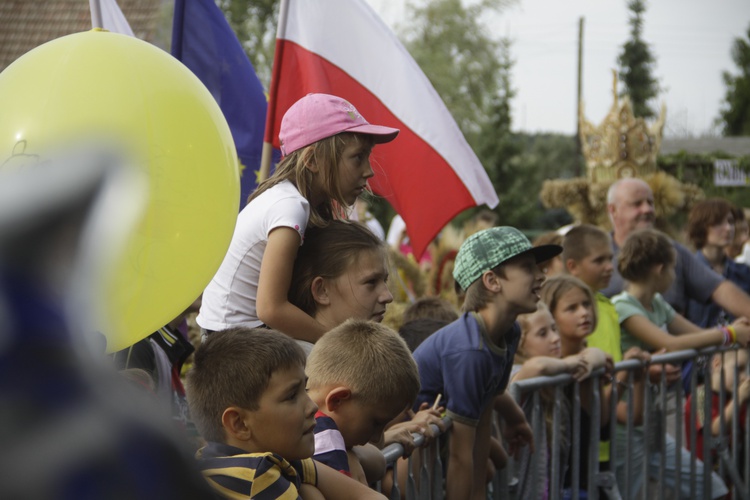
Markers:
point(641, 355)
point(741, 328)
point(596, 358)
point(609, 365)
point(401, 434)
point(426, 416)
point(578, 367)
point(672, 373)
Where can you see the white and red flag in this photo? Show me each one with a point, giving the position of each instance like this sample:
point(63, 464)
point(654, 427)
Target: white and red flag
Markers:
point(429, 173)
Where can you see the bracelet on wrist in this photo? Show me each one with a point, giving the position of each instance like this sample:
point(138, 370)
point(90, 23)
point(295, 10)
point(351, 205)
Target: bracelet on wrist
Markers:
point(732, 334)
point(727, 336)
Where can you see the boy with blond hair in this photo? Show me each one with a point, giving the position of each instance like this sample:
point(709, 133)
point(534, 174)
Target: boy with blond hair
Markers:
point(587, 255)
point(468, 362)
point(362, 376)
point(246, 393)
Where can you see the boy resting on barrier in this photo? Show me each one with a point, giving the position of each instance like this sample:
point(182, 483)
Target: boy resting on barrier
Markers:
point(469, 361)
point(362, 376)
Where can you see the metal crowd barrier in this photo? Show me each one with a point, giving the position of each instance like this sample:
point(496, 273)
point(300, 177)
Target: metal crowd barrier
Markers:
point(430, 470)
point(725, 453)
point(719, 451)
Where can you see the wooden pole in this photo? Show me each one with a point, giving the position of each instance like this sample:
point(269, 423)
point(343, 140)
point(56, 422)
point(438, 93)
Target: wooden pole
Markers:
point(265, 161)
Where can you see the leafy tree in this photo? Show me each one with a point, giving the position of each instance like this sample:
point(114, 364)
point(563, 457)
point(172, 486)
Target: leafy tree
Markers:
point(459, 57)
point(498, 149)
point(518, 164)
point(254, 23)
point(735, 113)
point(637, 63)
point(542, 157)
point(471, 71)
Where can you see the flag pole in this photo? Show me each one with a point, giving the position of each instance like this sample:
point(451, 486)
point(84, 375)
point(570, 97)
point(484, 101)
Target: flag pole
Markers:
point(267, 153)
point(96, 14)
point(265, 161)
point(178, 27)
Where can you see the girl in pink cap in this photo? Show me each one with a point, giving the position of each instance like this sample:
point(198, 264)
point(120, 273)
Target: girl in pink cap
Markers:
point(325, 147)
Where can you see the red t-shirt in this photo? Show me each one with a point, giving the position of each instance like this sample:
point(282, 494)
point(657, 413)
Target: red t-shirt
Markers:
point(700, 394)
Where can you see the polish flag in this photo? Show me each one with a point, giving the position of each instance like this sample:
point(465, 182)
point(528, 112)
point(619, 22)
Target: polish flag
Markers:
point(429, 174)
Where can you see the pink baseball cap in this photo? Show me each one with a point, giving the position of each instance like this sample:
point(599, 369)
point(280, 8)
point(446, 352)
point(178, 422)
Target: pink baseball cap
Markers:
point(317, 116)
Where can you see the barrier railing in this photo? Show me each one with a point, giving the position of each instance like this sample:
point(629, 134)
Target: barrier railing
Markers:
point(427, 461)
point(654, 450)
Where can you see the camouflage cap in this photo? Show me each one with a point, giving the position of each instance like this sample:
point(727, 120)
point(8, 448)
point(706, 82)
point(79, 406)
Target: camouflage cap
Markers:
point(488, 249)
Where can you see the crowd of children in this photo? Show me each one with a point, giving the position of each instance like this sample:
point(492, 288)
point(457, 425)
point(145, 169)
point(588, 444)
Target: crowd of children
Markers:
point(296, 385)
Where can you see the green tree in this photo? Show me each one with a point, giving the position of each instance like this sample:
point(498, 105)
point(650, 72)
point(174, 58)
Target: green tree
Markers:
point(636, 65)
point(542, 157)
point(518, 164)
point(458, 55)
point(471, 70)
point(254, 23)
point(498, 149)
point(735, 113)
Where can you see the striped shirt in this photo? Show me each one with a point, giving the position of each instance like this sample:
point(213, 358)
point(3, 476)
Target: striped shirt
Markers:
point(329, 444)
point(236, 474)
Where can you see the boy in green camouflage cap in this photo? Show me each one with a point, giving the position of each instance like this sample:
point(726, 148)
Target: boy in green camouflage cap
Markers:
point(469, 360)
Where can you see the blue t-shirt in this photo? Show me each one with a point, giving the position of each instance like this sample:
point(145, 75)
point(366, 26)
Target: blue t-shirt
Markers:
point(460, 362)
point(710, 314)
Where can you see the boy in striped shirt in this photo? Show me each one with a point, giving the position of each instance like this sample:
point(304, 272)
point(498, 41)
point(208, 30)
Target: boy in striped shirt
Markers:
point(247, 395)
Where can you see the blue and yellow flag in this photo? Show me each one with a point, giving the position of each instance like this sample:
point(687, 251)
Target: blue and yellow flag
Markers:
point(203, 40)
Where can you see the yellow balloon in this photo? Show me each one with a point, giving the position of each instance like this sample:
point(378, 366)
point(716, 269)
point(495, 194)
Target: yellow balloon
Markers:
point(94, 83)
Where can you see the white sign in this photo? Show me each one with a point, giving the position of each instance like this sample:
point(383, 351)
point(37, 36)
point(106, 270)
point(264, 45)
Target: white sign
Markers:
point(728, 173)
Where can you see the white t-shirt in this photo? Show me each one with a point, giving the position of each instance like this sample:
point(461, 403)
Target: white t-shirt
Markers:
point(229, 299)
point(398, 225)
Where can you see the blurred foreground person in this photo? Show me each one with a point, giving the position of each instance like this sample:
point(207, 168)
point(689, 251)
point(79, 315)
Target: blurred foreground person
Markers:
point(70, 427)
